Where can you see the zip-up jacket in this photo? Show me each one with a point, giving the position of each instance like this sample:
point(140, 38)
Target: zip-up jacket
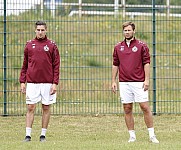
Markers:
point(41, 62)
point(131, 60)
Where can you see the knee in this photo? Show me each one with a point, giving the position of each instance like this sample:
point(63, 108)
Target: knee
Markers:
point(46, 107)
point(127, 109)
point(31, 108)
point(145, 108)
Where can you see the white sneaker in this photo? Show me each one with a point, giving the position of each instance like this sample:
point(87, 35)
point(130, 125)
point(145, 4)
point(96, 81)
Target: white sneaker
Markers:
point(131, 139)
point(154, 140)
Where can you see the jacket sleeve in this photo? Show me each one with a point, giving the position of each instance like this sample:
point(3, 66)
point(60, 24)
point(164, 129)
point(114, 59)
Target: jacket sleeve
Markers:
point(24, 68)
point(115, 58)
point(145, 54)
point(56, 65)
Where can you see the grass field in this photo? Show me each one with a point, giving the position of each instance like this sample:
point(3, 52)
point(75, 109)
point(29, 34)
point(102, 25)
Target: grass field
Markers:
point(90, 133)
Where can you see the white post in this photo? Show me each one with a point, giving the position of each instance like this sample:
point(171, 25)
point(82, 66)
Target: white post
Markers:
point(80, 8)
point(124, 8)
point(52, 7)
point(41, 7)
point(116, 8)
point(168, 8)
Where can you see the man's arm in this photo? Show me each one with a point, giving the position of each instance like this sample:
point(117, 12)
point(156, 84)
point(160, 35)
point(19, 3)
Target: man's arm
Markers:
point(147, 76)
point(56, 65)
point(22, 78)
point(114, 75)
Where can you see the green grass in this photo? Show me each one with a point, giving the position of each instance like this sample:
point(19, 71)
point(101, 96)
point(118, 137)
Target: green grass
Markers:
point(90, 133)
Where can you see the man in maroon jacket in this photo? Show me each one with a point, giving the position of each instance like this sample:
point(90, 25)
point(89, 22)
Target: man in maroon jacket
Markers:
point(131, 59)
point(39, 77)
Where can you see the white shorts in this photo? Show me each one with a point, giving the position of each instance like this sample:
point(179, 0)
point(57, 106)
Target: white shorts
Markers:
point(39, 92)
point(131, 92)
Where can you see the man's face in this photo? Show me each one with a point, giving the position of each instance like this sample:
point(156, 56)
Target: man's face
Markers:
point(128, 32)
point(40, 31)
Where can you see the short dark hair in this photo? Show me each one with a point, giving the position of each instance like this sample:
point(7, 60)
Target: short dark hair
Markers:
point(40, 23)
point(125, 24)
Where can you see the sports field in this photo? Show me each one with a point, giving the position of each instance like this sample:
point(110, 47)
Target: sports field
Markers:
point(90, 133)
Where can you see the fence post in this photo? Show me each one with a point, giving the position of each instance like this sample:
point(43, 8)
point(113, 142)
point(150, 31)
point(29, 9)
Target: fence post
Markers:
point(4, 63)
point(154, 57)
point(41, 7)
point(80, 8)
point(53, 8)
point(124, 7)
point(168, 8)
point(116, 8)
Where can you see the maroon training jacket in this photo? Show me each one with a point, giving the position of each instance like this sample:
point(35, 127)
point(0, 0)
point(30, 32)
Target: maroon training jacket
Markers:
point(131, 60)
point(41, 62)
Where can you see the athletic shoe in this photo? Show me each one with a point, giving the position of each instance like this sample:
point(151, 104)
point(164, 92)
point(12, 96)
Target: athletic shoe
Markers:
point(131, 139)
point(154, 140)
point(27, 139)
point(42, 138)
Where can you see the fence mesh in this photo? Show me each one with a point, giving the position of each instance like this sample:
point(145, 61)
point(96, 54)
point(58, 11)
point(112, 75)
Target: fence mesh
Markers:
point(86, 34)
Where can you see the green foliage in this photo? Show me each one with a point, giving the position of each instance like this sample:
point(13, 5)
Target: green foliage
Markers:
point(145, 2)
point(142, 36)
point(128, 2)
point(93, 63)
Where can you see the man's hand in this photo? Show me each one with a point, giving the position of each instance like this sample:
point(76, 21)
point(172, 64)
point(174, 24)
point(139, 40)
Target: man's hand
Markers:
point(114, 87)
point(53, 89)
point(146, 85)
point(23, 88)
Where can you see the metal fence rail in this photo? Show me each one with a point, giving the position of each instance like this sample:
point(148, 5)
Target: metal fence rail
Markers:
point(86, 44)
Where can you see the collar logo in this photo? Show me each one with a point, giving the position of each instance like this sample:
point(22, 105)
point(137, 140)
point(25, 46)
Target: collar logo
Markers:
point(46, 48)
point(134, 49)
point(121, 48)
point(33, 45)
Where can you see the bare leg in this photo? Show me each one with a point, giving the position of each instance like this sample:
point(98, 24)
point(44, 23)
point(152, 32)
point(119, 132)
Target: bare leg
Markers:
point(45, 116)
point(129, 119)
point(147, 114)
point(149, 121)
point(129, 116)
point(29, 121)
point(30, 115)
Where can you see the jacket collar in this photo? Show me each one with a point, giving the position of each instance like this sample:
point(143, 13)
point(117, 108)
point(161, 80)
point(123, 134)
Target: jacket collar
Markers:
point(131, 40)
point(41, 40)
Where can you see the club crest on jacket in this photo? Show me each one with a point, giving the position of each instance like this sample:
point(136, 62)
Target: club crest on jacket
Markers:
point(46, 48)
point(134, 49)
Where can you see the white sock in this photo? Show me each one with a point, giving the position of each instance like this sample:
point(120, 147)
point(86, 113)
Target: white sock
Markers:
point(43, 131)
point(28, 131)
point(151, 132)
point(132, 133)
